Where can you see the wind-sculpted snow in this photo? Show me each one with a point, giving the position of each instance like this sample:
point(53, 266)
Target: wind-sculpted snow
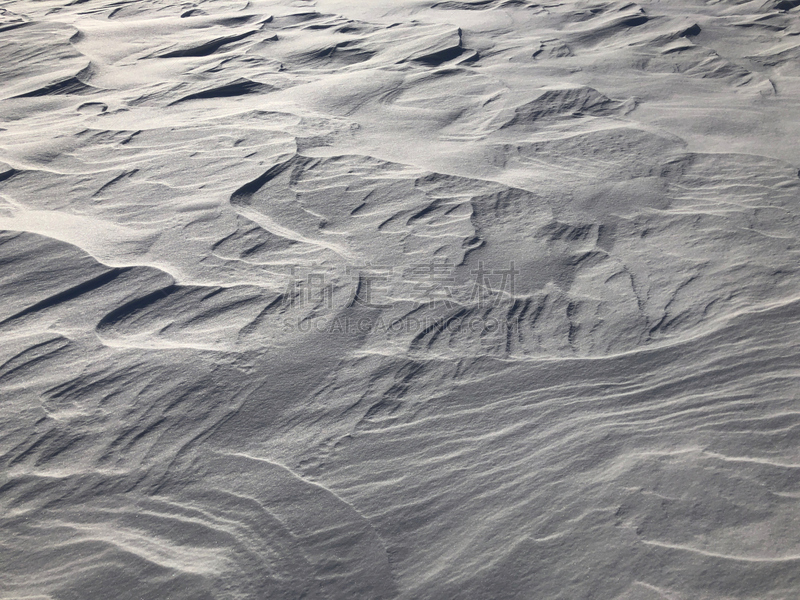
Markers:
point(399, 299)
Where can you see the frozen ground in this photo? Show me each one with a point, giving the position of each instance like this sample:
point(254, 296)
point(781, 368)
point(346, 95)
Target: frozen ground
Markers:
point(479, 299)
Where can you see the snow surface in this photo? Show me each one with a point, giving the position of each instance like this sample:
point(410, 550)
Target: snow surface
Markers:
point(416, 299)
